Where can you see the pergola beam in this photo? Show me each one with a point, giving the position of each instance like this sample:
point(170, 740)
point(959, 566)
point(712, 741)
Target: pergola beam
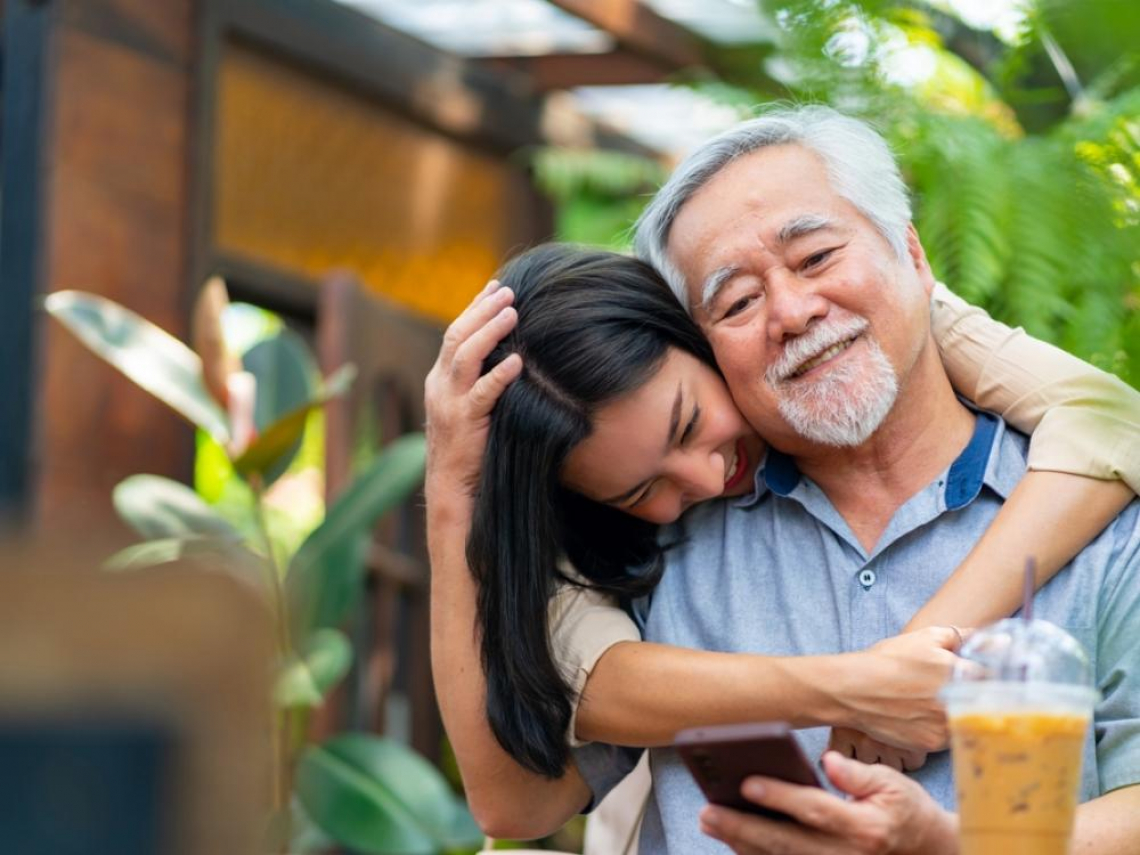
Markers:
point(639, 29)
point(565, 71)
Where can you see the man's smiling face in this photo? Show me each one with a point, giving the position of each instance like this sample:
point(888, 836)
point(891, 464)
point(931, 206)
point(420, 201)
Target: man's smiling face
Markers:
point(813, 318)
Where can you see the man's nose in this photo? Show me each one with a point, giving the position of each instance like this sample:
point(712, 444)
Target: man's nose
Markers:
point(793, 305)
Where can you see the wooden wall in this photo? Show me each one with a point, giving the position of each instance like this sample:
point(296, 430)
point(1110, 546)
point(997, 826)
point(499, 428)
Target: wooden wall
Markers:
point(117, 209)
point(143, 193)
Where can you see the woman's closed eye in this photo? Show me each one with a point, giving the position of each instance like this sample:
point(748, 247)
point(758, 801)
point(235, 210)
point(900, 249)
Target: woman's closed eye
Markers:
point(691, 428)
point(643, 496)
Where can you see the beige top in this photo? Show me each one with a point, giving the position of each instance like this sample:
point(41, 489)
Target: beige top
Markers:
point(1083, 421)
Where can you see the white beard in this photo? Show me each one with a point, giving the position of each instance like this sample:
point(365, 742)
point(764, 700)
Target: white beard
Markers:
point(849, 402)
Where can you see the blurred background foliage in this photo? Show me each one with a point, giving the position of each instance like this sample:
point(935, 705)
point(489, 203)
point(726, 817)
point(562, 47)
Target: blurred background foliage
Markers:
point(1019, 138)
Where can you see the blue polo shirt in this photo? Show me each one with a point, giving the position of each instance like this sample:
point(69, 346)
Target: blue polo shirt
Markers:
point(781, 573)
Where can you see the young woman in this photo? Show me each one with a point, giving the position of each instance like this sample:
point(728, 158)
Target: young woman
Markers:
point(589, 336)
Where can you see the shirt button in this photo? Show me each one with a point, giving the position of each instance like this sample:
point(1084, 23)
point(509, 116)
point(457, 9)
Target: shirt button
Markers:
point(867, 578)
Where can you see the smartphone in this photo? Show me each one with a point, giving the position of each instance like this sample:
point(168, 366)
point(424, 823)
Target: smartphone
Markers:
point(721, 757)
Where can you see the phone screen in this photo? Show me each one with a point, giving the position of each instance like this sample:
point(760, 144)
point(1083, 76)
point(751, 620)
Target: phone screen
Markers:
point(720, 758)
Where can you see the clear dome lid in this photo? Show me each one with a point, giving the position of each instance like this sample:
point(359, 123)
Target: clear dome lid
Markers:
point(1022, 651)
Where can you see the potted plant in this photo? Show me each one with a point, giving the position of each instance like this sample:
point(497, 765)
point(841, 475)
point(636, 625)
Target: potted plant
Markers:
point(363, 791)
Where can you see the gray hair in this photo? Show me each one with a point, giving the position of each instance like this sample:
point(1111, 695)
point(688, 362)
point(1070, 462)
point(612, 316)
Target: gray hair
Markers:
point(859, 165)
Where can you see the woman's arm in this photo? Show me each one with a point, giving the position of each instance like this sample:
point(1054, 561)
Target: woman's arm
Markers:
point(1084, 422)
point(506, 799)
point(1051, 516)
point(632, 695)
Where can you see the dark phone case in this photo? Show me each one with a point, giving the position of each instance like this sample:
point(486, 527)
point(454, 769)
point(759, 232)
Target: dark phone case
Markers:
point(721, 757)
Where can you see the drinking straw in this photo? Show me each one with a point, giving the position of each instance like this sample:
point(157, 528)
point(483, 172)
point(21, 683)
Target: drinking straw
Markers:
point(1030, 587)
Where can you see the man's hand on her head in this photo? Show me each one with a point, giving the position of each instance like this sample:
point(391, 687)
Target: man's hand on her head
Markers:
point(887, 814)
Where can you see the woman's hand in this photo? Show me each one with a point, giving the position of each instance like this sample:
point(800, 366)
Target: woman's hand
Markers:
point(892, 695)
point(458, 401)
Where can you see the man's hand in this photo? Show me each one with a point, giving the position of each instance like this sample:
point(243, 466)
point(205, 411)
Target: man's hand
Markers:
point(859, 746)
point(887, 813)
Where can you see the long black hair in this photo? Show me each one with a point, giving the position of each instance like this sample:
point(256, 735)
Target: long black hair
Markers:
point(592, 327)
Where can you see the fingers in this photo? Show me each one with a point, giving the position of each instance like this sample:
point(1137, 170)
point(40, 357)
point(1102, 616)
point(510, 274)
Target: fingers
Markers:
point(867, 751)
point(870, 750)
point(841, 740)
point(812, 807)
point(945, 637)
point(747, 834)
point(489, 302)
point(891, 758)
point(467, 363)
point(913, 760)
point(487, 389)
point(854, 778)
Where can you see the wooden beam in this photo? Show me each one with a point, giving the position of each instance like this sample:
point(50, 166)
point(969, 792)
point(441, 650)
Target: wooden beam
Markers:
point(452, 94)
point(26, 57)
point(565, 71)
point(639, 29)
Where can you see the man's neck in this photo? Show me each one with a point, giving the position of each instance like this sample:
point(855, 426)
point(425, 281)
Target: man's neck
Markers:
point(924, 433)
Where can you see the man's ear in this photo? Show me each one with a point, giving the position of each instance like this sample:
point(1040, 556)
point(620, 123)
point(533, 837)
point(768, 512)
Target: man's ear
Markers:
point(917, 256)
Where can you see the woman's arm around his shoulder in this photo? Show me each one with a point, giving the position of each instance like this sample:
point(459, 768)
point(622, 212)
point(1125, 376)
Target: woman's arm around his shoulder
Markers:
point(1084, 421)
point(1084, 457)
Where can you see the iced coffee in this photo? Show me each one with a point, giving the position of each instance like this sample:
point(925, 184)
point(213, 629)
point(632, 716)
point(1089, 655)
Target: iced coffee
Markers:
point(1019, 709)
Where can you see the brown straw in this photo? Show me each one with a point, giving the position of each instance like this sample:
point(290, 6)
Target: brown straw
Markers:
point(1030, 587)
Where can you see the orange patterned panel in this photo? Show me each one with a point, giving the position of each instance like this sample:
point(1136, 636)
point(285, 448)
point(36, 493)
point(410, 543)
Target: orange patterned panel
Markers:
point(311, 176)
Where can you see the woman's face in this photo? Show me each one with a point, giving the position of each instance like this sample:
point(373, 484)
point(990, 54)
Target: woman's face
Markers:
point(676, 441)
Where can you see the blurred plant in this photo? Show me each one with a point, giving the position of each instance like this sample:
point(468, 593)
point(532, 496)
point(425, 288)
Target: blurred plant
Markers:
point(598, 194)
point(1021, 144)
point(358, 790)
point(1020, 141)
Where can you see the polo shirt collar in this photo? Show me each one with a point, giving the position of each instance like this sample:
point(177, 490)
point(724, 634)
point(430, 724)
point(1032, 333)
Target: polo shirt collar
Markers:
point(975, 467)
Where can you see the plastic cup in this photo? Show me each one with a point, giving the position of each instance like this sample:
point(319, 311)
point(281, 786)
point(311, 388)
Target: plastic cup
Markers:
point(1019, 706)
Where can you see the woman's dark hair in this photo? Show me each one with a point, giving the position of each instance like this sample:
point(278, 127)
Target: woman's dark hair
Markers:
point(592, 328)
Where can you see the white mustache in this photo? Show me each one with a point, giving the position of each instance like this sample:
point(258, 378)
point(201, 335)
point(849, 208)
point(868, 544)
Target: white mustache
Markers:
point(810, 345)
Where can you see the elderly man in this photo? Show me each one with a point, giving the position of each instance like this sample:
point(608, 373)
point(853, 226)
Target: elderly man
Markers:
point(789, 238)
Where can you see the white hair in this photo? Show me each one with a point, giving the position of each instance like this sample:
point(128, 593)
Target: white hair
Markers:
point(859, 165)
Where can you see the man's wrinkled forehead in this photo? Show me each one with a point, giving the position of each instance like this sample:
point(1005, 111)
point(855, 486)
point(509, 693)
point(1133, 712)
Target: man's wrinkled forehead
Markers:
point(751, 186)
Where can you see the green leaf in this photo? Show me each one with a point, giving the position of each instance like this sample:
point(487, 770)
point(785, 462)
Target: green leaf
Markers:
point(274, 449)
point(150, 357)
point(379, 797)
point(208, 553)
point(286, 386)
point(270, 454)
point(157, 507)
point(286, 376)
point(305, 680)
point(326, 575)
